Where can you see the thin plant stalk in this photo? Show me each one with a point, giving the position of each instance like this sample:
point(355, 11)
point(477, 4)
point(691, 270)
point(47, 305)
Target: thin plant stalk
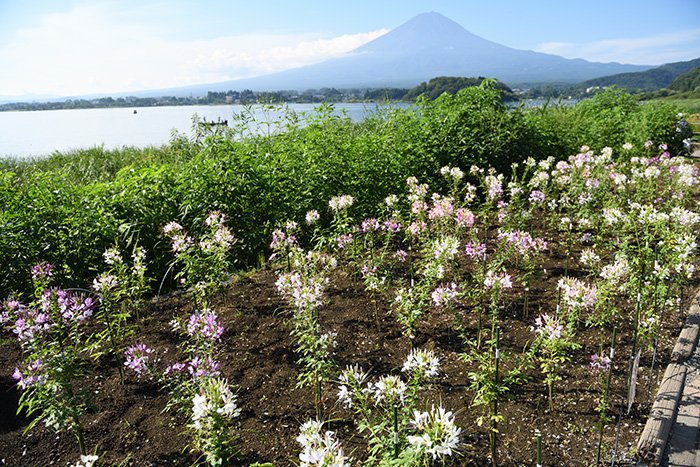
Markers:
point(318, 394)
point(494, 420)
point(606, 392)
point(396, 431)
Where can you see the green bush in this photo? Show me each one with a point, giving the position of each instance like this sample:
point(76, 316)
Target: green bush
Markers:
point(68, 208)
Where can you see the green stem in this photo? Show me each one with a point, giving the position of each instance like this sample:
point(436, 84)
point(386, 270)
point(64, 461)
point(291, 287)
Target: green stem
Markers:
point(115, 349)
point(319, 411)
point(77, 429)
point(606, 392)
point(396, 432)
point(494, 415)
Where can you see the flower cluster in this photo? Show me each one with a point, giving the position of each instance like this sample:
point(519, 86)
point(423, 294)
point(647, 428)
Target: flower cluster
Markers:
point(437, 435)
point(445, 248)
point(599, 363)
point(321, 450)
point(42, 271)
point(576, 294)
point(423, 363)
point(205, 325)
point(350, 377)
point(453, 172)
point(197, 367)
point(138, 357)
point(523, 242)
point(339, 203)
point(617, 272)
point(33, 375)
point(104, 283)
point(87, 460)
point(389, 389)
point(548, 327)
point(475, 250)
point(216, 398)
point(179, 240)
point(494, 186)
point(444, 295)
point(304, 294)
point(494, 280)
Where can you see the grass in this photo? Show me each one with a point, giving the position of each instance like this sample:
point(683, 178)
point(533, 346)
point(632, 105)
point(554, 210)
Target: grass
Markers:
point(689, 106)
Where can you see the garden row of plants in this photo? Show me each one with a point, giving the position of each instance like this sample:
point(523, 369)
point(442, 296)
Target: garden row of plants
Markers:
point(67, 208)
point(460, 246)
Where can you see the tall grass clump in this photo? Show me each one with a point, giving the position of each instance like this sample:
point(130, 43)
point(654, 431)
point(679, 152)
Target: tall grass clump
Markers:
point(611, 118)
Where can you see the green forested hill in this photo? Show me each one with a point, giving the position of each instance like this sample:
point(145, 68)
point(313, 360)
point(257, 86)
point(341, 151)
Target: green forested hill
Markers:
point(689, 81)
point(649, 80)
point(451, 84)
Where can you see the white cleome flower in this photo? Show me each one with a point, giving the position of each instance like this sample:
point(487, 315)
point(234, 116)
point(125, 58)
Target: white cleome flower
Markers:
point(322, 450)
point(230, 407)
point(389, 388)
point(424, 362)
point(436, 433)
point(200, 409)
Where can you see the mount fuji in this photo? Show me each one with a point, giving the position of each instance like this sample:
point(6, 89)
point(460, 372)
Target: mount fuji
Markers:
point(424, 47)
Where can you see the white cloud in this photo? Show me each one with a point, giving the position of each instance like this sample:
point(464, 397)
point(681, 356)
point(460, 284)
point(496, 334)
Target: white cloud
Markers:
point(650, 50)
point(85, 52)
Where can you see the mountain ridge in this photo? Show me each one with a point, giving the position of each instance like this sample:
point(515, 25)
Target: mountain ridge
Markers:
point(426, 46)
point(648, 80)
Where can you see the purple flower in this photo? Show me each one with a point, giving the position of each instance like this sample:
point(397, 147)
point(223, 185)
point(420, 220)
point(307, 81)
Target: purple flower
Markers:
point(138, 357)
point(493, 279)
point(368, 270)
point(475, 250)
point(441, 208)
point(391, 225)
point(29, 323)
point(370, 225)
point(206, 325)
point(464, 217)
point(176, 367)
point(417, 227)
point(72, 307)
point(600, 363)
point(42, 271)
point(32, 375)
point(282, 240)
point(537, 196)
point(401, 255)
point(343, 240)
point(199, 367)
point(548, 326)
point(444, 295)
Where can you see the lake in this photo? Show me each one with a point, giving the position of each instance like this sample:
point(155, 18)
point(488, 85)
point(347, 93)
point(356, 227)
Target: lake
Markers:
point(39, 133)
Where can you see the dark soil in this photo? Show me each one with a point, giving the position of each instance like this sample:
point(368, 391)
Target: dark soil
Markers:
point(128, 425)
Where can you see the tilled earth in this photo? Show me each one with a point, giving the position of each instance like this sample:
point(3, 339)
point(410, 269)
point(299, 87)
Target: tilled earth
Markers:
point(128, 425)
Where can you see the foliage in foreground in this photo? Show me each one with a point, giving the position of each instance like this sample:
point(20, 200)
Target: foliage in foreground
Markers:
point(457, 251)
point(69, 208)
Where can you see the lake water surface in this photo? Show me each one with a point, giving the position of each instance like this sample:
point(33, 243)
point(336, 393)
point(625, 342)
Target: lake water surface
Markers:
point(39, 133)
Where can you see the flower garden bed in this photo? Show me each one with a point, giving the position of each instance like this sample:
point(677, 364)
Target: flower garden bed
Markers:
point(509, 293)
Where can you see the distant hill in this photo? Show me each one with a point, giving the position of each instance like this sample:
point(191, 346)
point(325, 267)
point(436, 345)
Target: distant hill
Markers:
point(449, 84)
point(648, 80)
point(689, 81)
point(426, 46)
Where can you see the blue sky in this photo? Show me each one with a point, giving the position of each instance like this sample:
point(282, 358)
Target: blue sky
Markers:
point(74, 47)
